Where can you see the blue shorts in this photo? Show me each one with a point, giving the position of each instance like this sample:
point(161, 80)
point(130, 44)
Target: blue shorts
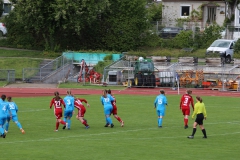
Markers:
point(2, 120)
point(68, 113)
point(14, 118)
point(108, 110)
point(161, 112)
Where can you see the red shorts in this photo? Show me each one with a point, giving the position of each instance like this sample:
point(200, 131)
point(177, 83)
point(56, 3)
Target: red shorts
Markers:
point(81, 111)
point(58, 114)
point(114, 111)
point(186, 111)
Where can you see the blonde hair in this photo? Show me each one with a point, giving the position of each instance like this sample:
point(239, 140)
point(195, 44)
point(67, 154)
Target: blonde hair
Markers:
point(105, 93)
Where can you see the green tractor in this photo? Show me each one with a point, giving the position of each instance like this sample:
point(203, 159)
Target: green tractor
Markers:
point(144, 73)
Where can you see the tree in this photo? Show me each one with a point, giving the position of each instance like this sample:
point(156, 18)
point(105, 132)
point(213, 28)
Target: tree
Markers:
point(51, 20)
point(231, 6)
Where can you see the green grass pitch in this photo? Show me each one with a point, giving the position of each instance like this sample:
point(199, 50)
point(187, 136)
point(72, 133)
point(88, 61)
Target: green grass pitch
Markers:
point(139, 139)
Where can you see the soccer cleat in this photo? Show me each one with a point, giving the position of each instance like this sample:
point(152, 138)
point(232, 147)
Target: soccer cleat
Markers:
point(64, 127)
point(23, 132)
point(159, 126)
point(87, 127)
point(190, 137)
point(4, 135)
point(204, 137)
point(56, 130)
point(106, 125)
point(185, 127)
point(122, 124)
point(112, 125)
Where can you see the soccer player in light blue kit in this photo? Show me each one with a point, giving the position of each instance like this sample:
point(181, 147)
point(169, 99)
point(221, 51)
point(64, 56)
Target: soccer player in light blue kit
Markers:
point(13, 109)
point(68, 112)
point(160, 103)
point(106, 100)
point(4, 109)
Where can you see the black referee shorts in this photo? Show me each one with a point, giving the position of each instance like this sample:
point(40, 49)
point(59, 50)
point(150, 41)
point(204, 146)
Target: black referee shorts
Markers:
point(199, 119)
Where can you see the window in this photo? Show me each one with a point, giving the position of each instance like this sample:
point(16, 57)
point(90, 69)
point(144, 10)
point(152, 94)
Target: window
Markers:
point(7, 7)
point(185, 11)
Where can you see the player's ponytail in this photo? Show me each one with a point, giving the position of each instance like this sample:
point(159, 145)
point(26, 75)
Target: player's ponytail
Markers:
point(105, 93)
point(199, 99)
point(56, 95)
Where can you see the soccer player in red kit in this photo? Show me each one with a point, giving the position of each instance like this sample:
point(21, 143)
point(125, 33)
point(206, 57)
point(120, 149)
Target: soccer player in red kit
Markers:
point(57, 101)
point(185, 103)
point(81, 110)
point(114, 111)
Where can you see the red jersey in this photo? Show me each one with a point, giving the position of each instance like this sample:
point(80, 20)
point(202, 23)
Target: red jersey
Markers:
point(57, 105)
point(114, 102)
point(186, 100)
point(78, 104)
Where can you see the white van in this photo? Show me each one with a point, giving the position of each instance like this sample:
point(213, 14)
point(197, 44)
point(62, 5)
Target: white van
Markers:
point(223, 47)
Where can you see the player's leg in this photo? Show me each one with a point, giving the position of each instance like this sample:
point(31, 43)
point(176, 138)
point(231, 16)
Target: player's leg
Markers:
point(107, 112)
point(186, 114)
point(2, 121)
point(69, 119)
point(64, 119)
point(160, 117)
point(15, 120)
point(194, 129)
point(6, 125)
point(203, 129)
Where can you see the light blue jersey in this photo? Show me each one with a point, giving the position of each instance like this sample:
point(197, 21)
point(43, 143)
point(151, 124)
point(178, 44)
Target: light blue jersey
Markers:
point(4, 109)
point(107, 102)
point(160, 103)
point(69, 102)
point(107, 105)
point(13, 109)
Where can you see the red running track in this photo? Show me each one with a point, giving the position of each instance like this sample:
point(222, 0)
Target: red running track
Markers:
point(35, 92)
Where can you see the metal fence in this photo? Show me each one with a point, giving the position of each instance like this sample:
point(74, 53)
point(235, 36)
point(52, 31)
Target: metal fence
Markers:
point(61, 66)
point(7, 75)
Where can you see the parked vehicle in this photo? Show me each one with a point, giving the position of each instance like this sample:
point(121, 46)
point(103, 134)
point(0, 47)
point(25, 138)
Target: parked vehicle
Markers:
point(3, 29)
point(144, 73)
point(169, 32)
point(223, 47)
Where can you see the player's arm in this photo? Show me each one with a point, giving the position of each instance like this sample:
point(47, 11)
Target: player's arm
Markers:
point(181, 100)
point(204, 112)
point(16, 107)
point(154, 104)
point(63, 103)
point(83, 100)
point(195, 111)
point(51, 103)
point(192, 103)
point(166, 102)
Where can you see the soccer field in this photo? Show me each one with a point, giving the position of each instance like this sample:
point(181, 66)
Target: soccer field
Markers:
point(140, 138)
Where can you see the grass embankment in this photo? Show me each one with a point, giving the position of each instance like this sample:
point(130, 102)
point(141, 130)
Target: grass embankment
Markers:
point(18, 59)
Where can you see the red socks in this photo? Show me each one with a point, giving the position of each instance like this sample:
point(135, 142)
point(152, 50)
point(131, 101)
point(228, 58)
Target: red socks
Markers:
point(185, 121)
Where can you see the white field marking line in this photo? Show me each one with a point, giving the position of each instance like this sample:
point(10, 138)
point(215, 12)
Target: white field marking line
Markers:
point(107, 133)
point(60, 138)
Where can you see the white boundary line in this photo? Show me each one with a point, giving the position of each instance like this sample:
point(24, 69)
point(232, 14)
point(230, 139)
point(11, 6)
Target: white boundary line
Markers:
point(109, 133)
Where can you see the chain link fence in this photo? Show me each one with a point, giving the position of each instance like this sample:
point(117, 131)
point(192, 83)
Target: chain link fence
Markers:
point(7, 75)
